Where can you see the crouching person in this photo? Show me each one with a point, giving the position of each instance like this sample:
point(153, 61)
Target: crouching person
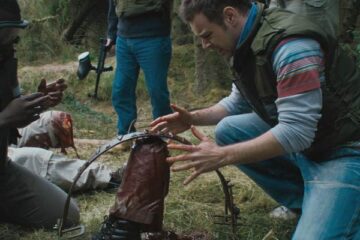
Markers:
point(25, 199)
point(291, 122)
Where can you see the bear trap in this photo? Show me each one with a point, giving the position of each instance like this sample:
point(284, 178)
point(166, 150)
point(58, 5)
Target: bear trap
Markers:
point(80, 229)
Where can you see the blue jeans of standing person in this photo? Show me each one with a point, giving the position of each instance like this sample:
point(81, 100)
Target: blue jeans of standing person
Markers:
point(328, 193)
point(152, 55)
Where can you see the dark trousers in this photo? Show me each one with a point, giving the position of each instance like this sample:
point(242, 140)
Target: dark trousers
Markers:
point(29, 200)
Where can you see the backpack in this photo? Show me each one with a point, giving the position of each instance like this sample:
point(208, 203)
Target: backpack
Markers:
point(54, 129)
point(129, 8)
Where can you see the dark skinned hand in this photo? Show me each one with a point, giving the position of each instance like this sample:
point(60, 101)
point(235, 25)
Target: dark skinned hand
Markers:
point(23, 110)
point(54, 90)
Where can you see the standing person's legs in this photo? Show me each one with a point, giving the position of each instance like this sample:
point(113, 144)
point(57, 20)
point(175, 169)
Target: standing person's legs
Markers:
point(331, 207)
point(154, 55)
point(29, 200)
point(124, 84)
point(278, 177)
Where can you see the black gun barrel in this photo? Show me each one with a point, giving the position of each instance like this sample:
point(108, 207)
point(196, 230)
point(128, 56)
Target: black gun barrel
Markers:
point(100, 66)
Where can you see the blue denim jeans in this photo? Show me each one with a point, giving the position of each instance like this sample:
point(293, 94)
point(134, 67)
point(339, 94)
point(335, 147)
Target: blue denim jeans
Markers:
point(152, 55)
point(328, 193)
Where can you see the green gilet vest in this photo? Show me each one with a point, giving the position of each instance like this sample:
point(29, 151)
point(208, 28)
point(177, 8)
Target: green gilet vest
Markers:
point(128, 8)
point(255, 78)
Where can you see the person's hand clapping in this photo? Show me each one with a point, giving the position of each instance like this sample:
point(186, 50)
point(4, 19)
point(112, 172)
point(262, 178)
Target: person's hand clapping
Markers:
point(54, 90)
point(23, 110)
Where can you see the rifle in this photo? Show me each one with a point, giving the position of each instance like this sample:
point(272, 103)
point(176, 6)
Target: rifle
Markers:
point(85, 66)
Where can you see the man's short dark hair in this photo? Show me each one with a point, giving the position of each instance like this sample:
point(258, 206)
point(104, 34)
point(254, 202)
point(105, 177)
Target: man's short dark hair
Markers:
point(212, 9)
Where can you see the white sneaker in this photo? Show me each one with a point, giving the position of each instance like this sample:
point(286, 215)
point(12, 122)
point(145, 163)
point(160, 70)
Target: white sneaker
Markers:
point(283, 213)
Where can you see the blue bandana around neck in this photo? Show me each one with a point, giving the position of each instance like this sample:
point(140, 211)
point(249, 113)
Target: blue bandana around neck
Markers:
point(248, 24)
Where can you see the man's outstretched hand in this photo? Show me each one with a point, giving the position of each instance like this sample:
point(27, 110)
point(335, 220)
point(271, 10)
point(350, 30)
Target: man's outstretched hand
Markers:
point(204, 157)
point(23, 110)
point(175, 123)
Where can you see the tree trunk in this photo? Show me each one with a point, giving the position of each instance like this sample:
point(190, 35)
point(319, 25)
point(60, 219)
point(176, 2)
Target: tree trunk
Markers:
point(82, 13)
point(181, 33)
point(211, 70)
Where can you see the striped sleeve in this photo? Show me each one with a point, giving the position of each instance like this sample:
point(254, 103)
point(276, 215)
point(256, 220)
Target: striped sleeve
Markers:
point(297, 62)
point(299, 67)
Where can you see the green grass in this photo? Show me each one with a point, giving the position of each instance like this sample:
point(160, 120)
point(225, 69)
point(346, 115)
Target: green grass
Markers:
point(188, 209)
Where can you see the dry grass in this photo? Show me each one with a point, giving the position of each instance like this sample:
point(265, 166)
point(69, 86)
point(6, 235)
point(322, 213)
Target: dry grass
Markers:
point(188, 209)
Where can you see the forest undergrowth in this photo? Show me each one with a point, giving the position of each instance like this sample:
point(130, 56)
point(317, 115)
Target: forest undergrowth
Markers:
point(189, 209)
